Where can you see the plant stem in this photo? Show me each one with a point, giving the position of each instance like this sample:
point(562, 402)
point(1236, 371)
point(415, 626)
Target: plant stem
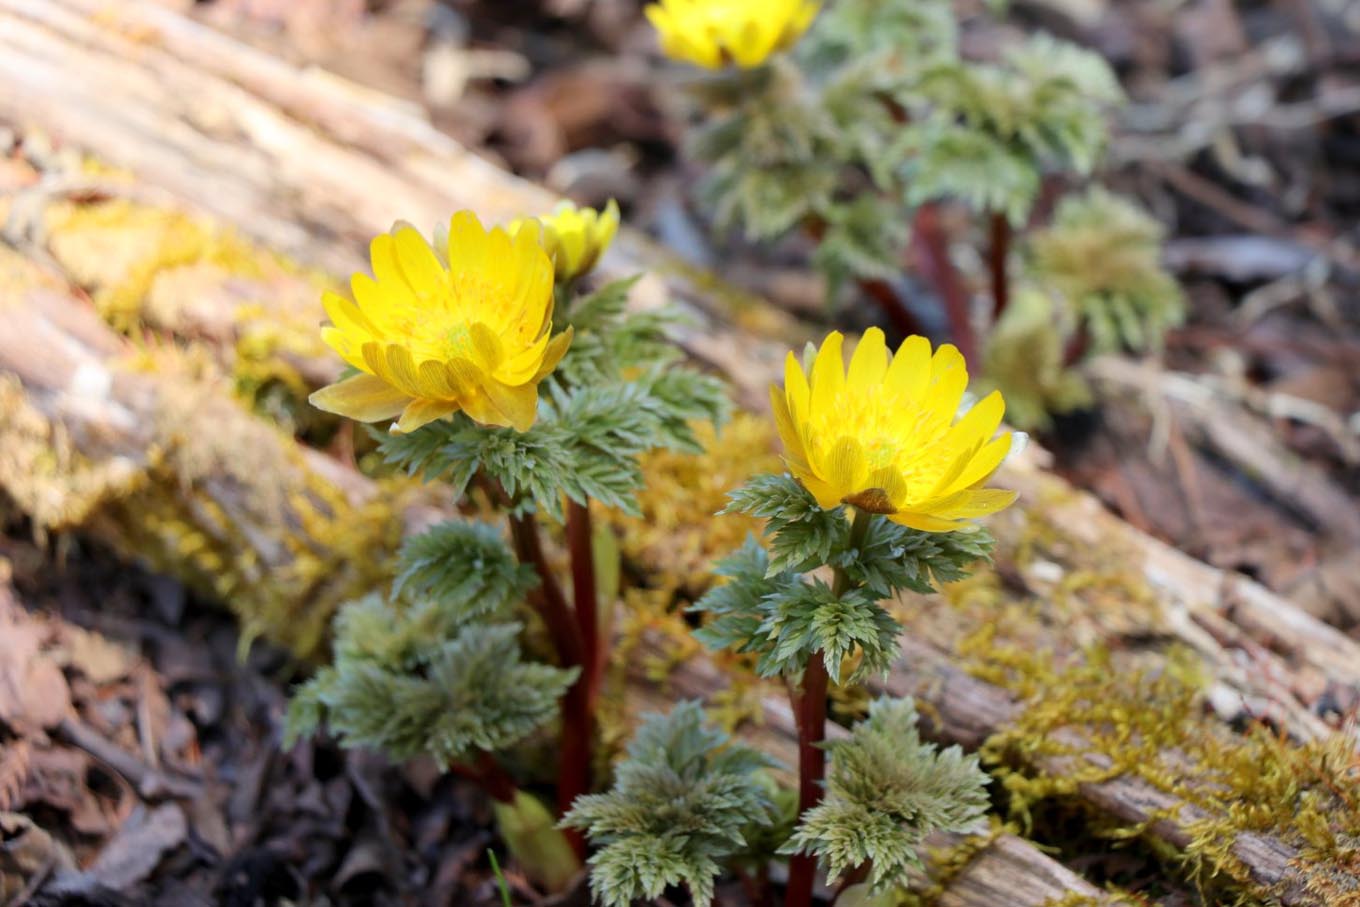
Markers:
point(880, 291)
point(578, 707)
point(547, 597)
point(998, 250)
point(580, 544)
point(490, 775)
point(810, 711)
point(573, 776)
point(932, 247)
point(809, 708)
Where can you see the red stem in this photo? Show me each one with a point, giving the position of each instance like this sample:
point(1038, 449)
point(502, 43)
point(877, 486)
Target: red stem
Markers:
point(580, 544)
point(901, 317)
point(932, 247)
point(998, 249)
point(880, 291)
point(573, 775)
point(547, 597)
point(1076, 347)
point(810, 710)
point(489, 774)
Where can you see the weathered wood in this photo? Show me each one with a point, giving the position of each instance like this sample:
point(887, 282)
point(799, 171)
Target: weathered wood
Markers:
point(169, 468)
point(304, 162)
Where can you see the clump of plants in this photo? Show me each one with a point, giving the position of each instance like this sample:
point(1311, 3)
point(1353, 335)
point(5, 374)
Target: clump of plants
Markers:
point(505, 380)
point(502, 372)
point(861, 124)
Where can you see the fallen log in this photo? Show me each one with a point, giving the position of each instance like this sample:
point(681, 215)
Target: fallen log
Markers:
point(162, 462)
point(303, 162)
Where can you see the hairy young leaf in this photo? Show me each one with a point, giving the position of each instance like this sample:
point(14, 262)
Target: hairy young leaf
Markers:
point(1101, 257)
point(466, 567)
point(886, 791)
point(683, 803)
point(460, 693)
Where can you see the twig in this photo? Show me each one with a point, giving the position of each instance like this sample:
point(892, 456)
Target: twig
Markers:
point(149, 783)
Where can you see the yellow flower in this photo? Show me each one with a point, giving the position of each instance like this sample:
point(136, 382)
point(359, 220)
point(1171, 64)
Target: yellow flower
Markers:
point(466, 326)
point(883, 438)
point(573, 237)
point(713, 33)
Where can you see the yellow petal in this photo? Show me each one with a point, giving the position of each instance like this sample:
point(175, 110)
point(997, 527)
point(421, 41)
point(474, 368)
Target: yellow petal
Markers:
point(518, 405)
point(421, 413)
point(796, 389)
point(401, 370)
point(337, 340)
point(557, 348)
point(909, 373)
point(485, 347)
point(828, 497)
point(844, 467)
point(788, 432)
point(346, 316)
point(925, 523)
point(419, 265)
point(979, 423)
point(982, 464)
point(437, 382)
point(362, 398)
point(828, 373)
point(383, 254)
point(979, 503)
point(868, 363)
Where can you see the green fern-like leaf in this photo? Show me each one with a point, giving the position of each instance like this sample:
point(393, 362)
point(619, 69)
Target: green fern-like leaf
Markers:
point(886, 791)
point(895, 36)
point(464, 565)
point(1102, 256)
point(864, 239)
point(450, 697)
point(1024, 357)
point(682, 805)
point(948, 159)
point(785, 620)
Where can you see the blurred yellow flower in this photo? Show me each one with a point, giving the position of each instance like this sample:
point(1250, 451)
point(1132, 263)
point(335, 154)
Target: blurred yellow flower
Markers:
point(464, 326)
point(573, 237)
point(883, 438)
point(714, 33)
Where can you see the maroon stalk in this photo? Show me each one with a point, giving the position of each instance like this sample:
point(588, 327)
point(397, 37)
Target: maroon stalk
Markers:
point(809, 709)
point(585, 594)
point(998, 249)
point(573, 775)
point(488, 773)
point(932, 250)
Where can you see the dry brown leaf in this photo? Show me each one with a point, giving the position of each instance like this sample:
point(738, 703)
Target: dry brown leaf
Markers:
point(33, 691)
point(139, 846)
point(14, 761)
point(93, 655)
point(27, 853)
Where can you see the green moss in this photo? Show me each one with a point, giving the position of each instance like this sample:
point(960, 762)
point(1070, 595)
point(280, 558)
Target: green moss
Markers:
point(1106, 716)
point(186, 276)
